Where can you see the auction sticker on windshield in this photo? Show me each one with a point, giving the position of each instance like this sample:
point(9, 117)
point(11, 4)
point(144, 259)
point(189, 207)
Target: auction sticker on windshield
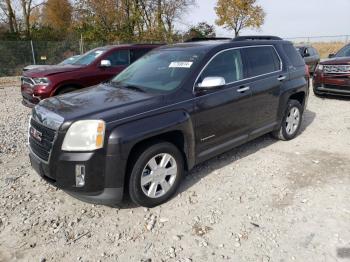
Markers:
point(180, 64)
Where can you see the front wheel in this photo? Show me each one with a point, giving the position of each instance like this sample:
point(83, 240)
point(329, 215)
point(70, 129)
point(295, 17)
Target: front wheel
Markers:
point(156, 174)
point(291, 122)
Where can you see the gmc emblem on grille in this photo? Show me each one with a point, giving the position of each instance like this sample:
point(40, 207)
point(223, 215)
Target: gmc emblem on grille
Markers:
point(36, 134)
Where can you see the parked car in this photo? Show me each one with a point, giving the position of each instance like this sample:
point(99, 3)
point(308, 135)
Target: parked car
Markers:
point(67, 61)
point(310, 55)
point(172, 109)
point(332, 76)
point(92, 68)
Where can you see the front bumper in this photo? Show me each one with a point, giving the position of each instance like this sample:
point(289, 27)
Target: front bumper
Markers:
point(29, 102)
point(101, 184)
point(33, 94)
point(331, 90)
point(333, 85)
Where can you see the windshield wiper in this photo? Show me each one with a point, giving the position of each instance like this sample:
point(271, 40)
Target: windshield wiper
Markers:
point(126, 86)
point(136, 88)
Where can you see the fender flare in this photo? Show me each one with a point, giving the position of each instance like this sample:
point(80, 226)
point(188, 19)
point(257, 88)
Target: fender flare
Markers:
point(124, 137)
point(68, 83)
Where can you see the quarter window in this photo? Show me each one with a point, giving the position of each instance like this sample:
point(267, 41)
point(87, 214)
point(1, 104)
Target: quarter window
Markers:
point(262, 60)
point(227, 64)
point(293, 56)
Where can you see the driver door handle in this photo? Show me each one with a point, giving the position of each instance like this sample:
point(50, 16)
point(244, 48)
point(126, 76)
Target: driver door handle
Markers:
point(243, 89)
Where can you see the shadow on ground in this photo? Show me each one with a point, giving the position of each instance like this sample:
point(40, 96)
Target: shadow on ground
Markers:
point(334, 97)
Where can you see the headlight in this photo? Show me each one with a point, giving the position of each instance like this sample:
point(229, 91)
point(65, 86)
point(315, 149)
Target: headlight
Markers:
point(85, 135)
point(320, 67)
point(41, 81)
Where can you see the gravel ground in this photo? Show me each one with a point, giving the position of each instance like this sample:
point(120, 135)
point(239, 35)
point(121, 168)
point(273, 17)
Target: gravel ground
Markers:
point(264, 201)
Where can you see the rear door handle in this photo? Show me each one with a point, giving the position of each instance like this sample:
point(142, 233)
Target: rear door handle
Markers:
point(281, 78)
point(243, 89)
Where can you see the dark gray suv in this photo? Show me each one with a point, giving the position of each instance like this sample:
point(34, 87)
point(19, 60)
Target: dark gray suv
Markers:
point(172, 109)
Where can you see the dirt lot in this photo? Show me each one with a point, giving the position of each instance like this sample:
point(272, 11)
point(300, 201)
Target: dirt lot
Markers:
point(264, 201)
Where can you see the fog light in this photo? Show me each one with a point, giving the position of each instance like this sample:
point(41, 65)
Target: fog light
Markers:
point(79, 175)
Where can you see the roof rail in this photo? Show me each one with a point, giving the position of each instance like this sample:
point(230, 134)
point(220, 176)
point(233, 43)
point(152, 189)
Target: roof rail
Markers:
point(199, 39)
point(256, 37)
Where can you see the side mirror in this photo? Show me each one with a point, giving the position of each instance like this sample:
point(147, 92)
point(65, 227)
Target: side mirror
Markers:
point(212, 83)
point(331, 55)
point(105, 63)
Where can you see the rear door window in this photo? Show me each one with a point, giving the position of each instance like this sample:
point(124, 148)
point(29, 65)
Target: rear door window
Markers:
point(227, 64)
point(262, 60)
point(293, 56)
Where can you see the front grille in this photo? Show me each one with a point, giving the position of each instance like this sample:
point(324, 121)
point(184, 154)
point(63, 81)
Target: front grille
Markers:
point(336, 69)
point(345, 88)
point(27, 81)
point(41, 140)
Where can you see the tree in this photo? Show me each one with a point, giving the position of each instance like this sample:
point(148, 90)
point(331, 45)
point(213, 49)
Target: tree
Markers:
point(7, 10)
point(129, 20)
point(172, 11)
point(27, 7)
point(202, 30)
point(57, 14)
point(239, 14)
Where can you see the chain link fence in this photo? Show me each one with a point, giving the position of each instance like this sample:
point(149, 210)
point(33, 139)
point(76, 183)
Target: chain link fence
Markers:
point(324, 44)
point(14, 55)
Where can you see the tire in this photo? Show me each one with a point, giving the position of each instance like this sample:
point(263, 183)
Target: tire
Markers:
point(66, 90)
point(151, 183)
point(290, 126)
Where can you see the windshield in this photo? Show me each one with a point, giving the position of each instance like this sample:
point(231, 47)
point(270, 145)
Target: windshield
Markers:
point(344, 52)
point(162, 70)
point(89, 57)
point(69, 61)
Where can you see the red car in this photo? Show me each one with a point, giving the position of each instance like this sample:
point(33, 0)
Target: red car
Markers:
point(96, 66)
point(332, 76)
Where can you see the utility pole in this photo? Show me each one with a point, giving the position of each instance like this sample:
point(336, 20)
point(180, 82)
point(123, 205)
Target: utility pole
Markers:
point(31, 44)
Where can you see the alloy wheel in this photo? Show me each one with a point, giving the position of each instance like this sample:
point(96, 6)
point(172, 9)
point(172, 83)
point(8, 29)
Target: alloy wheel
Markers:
point(293, 121)
point(159, 175)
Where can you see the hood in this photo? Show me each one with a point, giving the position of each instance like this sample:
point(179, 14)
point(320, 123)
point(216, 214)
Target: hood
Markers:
point(104, 102)
point(31, 67)
point(336, 61)
point(43, 71)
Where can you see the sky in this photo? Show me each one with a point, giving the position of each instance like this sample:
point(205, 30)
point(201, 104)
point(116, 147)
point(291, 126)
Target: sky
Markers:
point(285, 18)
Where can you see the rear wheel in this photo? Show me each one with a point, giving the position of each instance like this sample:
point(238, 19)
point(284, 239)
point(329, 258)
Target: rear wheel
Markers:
point(291, 122)
point(156, 174)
